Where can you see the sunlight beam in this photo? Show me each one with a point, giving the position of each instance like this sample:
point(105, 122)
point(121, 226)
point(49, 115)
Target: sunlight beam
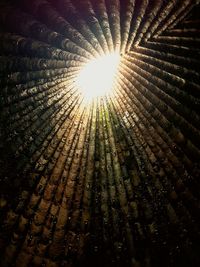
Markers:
point(96, 78)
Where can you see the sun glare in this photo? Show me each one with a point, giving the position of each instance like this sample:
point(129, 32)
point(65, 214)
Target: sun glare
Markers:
point(96, 79)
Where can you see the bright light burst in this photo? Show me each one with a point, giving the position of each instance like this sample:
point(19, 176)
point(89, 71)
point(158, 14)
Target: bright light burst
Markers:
point(96, 79)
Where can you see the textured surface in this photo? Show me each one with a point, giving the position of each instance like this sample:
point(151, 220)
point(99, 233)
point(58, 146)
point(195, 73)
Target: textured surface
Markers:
point(115, 183)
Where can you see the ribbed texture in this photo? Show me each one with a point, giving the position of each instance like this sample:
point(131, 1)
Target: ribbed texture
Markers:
point(114, 183)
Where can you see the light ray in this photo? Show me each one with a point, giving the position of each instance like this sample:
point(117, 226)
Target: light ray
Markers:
point(96, 78)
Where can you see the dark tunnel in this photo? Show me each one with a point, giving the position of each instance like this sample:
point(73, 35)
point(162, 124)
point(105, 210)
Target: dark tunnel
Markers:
point(112, 182)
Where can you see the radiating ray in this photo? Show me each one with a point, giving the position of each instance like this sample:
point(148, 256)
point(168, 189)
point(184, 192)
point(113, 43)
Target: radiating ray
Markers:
point(114, 182)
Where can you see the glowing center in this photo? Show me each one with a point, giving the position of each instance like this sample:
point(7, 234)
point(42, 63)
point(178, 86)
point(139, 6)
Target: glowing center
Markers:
point(97, 77)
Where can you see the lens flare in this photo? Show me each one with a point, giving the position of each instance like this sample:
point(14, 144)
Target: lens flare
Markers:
point(96, 78)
